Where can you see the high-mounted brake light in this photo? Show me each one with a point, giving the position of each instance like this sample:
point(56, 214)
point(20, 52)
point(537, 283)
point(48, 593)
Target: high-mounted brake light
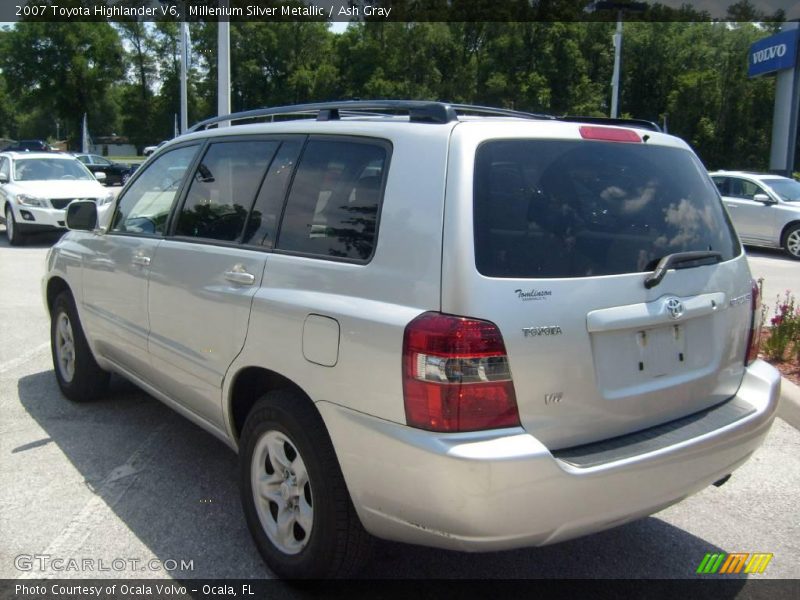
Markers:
point(456, 375)
point(755, 323)
point(609, 134)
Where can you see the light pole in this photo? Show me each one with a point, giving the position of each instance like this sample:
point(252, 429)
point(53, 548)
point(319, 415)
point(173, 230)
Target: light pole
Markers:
point(620, 7)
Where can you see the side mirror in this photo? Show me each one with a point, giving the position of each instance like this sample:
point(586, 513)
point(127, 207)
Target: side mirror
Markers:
point(100, 176)
point(764, 199)
point(3, 178)
point(82, 215)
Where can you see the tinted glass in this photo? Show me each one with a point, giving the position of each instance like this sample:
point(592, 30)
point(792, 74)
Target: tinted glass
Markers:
point(577, 209)
point(722, 185)
point(223, 188)
point(146, 204)
point(741, 188)
point(333, 205)
point(263, 222)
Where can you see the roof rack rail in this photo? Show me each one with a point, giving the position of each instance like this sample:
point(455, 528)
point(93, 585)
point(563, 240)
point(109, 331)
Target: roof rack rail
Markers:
point(419, 111)
point(640, 123)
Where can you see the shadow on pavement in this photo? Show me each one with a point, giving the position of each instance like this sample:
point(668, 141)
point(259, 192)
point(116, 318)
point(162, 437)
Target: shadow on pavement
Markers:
point(183, 502)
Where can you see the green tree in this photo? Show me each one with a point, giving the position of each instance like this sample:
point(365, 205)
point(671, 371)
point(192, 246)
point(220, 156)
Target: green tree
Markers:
point(64, 70)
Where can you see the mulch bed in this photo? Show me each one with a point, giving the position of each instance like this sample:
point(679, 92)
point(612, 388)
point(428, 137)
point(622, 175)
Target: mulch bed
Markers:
point(789, 368)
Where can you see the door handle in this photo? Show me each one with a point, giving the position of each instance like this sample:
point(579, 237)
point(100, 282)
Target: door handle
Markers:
point(239, 275)
point(141, 260)
point(731, 205)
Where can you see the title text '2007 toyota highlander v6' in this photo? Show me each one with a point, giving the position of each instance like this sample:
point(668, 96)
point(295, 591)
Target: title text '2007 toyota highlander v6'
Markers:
point(448, 325)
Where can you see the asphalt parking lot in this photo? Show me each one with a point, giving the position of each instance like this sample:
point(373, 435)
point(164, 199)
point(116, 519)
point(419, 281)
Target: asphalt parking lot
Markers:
point(127, 479)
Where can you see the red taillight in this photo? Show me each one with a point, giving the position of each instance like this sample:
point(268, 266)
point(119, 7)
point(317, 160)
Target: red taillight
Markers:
point(755, 324)
point(456, 375)
point(609, 134)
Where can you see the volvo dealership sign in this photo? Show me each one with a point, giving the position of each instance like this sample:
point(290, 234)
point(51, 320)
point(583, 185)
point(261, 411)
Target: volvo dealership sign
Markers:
point(774, 53)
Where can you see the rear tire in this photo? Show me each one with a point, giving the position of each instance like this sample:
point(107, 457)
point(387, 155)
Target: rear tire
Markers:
point(15, 236)
point(791, 241)
point(294, 496)
point(79, 376)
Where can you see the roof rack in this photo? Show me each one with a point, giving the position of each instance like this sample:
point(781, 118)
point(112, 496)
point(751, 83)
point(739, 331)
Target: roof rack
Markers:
point(419, 111)
point(640, 123)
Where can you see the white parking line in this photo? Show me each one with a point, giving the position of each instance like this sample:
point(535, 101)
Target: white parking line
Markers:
point(23, 358)
point(99, 509)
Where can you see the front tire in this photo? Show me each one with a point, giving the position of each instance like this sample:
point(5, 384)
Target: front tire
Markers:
point(15, 236)
point(791, 242)
point(294, 496)
point(79, 376)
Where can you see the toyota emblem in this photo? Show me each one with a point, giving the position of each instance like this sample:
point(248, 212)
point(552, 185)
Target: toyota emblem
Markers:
point(674, 308)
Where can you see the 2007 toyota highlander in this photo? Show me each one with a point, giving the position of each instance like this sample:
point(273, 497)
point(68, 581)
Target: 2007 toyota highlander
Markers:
point(448, 325)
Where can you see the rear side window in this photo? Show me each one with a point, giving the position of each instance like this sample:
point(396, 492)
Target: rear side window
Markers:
point(223, 188)
point(552, 208)
point(334, 201)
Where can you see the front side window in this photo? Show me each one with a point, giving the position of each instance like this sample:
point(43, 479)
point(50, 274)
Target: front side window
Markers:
point(146, 205)
point(741, 188)
point(49, 169)
point(552, 208)
point(223, 188)
point(333, 205)
point(4, 170)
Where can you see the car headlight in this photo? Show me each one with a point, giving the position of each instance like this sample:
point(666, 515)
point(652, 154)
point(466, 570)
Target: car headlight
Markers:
point(26, 200)
point(107, 199)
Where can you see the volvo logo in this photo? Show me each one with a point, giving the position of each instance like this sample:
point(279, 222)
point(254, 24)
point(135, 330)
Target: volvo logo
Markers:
point(674, 308)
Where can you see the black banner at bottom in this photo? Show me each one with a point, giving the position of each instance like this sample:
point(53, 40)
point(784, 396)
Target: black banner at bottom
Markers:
point(259, 589)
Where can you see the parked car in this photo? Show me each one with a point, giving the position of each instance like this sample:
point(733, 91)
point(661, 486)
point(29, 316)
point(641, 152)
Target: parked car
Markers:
point(29, 146)
point(36, 188)
point(462, 327)
point(116, 173)
point(148, 150)
point(764, 208)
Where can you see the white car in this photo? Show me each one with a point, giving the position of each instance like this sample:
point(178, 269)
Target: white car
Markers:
point(764, 208)
point(36, 187)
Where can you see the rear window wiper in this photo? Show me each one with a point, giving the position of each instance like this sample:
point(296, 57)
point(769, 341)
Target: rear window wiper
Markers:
point(673, 260)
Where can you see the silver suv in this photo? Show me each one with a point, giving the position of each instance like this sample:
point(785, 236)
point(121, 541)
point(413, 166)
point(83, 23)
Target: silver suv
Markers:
point(455, 326)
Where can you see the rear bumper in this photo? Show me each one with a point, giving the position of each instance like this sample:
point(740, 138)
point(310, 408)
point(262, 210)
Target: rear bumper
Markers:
point(500, 490)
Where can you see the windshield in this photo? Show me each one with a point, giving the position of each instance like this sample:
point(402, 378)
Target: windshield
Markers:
point(45, 169)
point(787, 189)
point(549, 208)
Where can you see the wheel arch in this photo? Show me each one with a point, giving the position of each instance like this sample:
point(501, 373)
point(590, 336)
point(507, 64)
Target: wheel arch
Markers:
point(247, 386)
point(786, 229)
point(55, 286)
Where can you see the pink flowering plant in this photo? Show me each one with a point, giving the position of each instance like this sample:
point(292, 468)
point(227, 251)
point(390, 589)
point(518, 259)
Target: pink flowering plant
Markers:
point(784, 333)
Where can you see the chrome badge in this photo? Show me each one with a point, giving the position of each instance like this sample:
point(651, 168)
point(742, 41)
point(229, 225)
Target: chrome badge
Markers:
point(674, 308)
point(537, 331)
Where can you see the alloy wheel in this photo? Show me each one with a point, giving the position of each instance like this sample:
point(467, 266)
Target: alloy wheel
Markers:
point(65, 348)
point(282, 492)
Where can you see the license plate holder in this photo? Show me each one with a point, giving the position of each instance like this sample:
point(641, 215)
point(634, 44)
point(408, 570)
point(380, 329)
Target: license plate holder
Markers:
point(662, 350)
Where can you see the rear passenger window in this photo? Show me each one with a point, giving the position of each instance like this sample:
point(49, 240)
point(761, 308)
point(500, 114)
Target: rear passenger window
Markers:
point(263, 221)
point(548, 208)
point(223, 188)
point(335, 199)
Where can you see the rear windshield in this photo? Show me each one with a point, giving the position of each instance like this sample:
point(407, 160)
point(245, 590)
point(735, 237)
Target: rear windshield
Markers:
point(555, 208)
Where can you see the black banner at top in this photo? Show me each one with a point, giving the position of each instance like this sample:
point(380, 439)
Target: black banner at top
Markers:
point(397, 10)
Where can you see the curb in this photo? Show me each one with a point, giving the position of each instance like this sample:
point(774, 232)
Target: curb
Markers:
point(789, 407)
